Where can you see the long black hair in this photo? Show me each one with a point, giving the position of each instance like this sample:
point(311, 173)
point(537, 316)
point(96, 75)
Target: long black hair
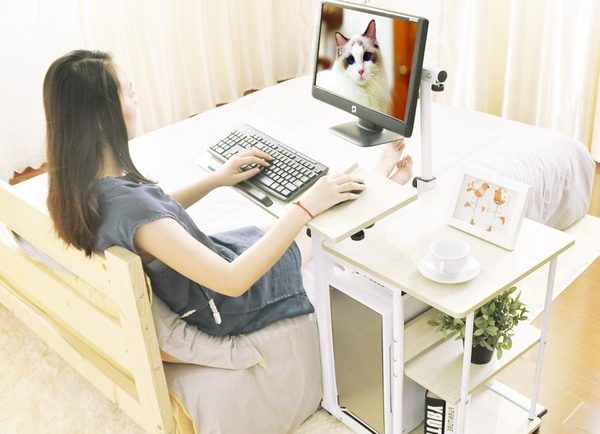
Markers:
point(83, 116)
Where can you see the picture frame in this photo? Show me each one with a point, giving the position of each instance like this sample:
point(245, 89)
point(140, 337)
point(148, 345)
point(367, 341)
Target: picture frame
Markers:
point(489, 206)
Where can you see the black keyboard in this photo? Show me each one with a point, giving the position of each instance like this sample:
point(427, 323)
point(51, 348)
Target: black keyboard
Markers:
point(290, 172)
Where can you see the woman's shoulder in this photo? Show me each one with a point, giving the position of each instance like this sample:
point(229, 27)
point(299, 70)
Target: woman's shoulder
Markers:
point(118, 186)
point(125, 205)
point(125, 193)
point(107, 183)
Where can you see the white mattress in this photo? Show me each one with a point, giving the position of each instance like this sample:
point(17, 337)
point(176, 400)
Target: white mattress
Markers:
point(559, 169)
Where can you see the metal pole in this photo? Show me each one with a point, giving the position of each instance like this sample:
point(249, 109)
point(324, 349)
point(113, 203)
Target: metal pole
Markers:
point(466, 374)
point(543, 338)
point(397, 362)
point(323, 268)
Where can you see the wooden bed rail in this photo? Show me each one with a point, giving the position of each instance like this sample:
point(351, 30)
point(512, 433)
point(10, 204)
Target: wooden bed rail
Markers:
point(115, 349)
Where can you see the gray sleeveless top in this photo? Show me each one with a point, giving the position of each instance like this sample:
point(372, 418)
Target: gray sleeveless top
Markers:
point(125, 205)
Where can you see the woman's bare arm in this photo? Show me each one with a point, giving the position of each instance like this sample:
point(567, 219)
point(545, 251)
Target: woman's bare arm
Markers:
point(166, 240)
point(227, 174)
point(191, 194)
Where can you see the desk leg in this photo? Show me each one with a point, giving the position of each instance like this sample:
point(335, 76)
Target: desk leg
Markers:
point(543, 338)
point(398, 362)
point(466, 374)
point(323, 271)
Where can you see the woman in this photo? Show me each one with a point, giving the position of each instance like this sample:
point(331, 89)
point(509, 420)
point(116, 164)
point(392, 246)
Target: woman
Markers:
point(230, 283)
point(97, 198)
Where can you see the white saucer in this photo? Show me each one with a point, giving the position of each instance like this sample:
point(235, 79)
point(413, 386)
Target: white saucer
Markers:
point(471, 269)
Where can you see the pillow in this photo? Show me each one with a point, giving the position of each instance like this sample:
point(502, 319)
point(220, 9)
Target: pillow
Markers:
point(176, 337)
point(271, 398)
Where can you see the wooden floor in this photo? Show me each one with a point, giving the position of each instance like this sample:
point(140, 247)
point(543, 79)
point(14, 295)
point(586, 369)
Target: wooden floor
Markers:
point(570, 388)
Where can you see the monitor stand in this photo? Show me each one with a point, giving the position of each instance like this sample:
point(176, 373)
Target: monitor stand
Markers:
point(364, 133)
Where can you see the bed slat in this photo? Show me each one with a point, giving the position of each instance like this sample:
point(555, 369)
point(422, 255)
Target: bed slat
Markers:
point(128, 276)
point(116, 386)
point(39, 286)
point(36, 227)
point(120, 357)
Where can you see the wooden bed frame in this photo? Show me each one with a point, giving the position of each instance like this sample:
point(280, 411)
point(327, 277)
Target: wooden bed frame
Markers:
point(97, 317)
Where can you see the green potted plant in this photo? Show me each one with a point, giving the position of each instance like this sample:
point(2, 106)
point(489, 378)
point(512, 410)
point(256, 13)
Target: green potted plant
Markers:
point(492, 327)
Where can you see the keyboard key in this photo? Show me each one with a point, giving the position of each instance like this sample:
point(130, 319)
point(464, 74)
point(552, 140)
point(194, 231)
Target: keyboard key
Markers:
point(265, 180)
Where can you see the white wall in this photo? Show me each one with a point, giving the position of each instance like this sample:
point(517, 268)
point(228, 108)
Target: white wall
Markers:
point(26, 55)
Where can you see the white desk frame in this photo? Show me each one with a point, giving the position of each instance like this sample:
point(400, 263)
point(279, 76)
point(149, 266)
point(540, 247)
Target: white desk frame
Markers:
point(329, 383)
point(157, 159)
point(426, 180)
point(323, 271)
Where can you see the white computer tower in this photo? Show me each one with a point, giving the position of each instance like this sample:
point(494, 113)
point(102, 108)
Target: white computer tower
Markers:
point(361, 318)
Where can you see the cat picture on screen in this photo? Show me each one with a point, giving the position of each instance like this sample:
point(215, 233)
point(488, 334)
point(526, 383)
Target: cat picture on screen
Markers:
point(358, 72)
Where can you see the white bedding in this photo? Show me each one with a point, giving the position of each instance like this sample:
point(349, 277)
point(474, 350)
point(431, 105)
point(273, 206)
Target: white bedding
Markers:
point(560, 169)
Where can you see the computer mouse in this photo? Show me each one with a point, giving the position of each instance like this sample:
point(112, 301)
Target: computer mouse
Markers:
point(358, 191)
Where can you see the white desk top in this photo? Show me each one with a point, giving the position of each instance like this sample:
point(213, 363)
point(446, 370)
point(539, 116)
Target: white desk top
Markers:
point(381, 198)
point(392, 249)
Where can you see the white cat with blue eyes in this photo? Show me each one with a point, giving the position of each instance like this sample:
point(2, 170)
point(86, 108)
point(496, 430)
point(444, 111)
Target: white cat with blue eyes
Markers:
point(358, 73)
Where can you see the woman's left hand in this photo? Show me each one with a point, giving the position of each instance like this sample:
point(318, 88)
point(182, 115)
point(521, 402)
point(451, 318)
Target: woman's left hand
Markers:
point(234, 170)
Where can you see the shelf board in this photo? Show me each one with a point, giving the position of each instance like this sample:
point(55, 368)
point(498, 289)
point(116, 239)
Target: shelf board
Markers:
point(492, 413)
point(420, 336)
point(439, 368)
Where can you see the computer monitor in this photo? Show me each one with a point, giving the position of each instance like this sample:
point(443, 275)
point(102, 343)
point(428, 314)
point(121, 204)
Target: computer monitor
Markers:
point(369, 63)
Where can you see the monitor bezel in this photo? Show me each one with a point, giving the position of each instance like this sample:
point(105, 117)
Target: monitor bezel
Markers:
point(401, 126)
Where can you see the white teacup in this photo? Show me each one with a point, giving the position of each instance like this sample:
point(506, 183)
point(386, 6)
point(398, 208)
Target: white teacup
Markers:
point(449, 256)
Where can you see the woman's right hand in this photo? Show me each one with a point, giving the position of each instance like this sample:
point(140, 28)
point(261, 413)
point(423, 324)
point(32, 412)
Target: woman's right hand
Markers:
point(233, 171)
point(330, 190)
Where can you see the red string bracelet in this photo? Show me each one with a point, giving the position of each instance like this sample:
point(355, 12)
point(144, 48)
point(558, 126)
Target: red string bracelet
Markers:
point(304, 208)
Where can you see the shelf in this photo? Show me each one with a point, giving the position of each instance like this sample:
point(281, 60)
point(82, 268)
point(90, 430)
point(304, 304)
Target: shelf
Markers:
point(420, 336)
point(492, 413)
point(392, 256)
point(438, 368)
